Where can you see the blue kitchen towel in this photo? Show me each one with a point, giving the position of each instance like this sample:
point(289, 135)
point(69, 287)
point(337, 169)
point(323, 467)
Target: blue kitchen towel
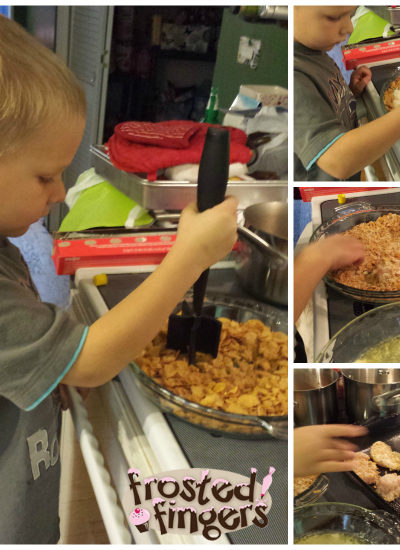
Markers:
point(302, 216)
point(36, 246)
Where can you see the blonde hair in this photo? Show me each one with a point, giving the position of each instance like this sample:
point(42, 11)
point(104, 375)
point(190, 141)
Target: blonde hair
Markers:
point(36, 87)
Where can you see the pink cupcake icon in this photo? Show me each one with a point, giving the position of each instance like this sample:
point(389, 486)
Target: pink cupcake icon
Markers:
point(140, 519)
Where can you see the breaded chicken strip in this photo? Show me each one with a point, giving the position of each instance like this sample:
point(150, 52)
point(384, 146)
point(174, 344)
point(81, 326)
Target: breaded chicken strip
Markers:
point(382, 454)
point(388, 487)
point(365, 468)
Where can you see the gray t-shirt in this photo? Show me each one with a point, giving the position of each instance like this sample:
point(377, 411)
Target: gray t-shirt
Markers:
point(38, 345)
point(324, 109)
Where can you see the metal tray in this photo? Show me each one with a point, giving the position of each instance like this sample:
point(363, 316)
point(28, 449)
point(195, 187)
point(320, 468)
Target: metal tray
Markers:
point(175, 195)
point(394, 441)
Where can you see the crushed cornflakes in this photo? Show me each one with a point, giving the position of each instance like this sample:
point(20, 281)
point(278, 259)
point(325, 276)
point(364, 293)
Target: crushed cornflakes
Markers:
point(249, 375)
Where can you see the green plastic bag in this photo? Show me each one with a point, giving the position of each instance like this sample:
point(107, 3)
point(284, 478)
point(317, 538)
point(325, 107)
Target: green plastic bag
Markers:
point(369, 25)
point(94, 203)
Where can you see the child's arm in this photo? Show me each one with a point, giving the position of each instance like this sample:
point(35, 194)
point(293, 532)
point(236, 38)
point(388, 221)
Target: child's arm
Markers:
point(361, 146)
point(316, 260)
point(318, 449)
point(119, 335)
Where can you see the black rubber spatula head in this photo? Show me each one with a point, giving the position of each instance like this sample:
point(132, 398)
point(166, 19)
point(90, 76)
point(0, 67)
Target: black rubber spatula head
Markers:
point(191, 333)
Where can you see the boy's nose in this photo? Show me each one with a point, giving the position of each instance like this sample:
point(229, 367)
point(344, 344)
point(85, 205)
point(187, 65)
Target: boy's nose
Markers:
point(348, 27)
point(58, 192)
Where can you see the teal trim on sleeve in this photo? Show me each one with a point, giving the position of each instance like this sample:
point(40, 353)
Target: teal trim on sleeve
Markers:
point(64, 372)
point(314, 160)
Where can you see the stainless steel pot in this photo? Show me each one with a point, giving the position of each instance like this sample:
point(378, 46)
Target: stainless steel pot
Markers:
point(369, 392)
point(315, 400)
point(261, 258)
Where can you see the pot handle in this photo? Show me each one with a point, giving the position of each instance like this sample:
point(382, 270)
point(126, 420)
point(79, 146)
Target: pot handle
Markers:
point(380, 402)
point(278, 430)
point(255, 239)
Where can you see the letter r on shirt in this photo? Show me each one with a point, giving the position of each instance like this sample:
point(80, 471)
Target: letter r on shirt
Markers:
point(38, 444)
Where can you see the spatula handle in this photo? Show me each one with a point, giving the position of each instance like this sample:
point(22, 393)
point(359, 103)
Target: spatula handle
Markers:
point(211, 188)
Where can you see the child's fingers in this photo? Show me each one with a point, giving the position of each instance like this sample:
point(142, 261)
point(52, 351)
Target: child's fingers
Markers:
point(191, 207)
point(342, 444)
point(230, 203)
point(337, 466)
point(365, 71)
point(336, 454)
point(345, 430)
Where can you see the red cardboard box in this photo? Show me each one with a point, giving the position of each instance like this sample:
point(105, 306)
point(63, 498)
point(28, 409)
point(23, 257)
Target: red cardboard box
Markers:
point(307, 193)
point(70, 254)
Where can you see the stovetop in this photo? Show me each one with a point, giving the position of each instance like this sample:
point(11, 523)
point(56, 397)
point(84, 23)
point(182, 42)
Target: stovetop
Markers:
point(220, 281)
point(342, 310)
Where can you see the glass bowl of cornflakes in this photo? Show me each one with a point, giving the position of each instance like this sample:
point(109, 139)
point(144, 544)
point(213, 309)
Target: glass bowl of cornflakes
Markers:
point(309, 489)
point(390, 92)
point(243, 391)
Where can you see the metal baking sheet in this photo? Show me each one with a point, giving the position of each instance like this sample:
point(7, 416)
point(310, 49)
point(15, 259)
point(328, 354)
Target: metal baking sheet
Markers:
point(175, 195)
point(388, 431)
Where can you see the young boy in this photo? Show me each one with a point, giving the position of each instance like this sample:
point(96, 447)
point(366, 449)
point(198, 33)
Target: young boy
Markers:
point(328, 144)
point(42, 118)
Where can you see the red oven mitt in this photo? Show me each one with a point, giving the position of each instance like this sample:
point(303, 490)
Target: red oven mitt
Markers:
point(174, 134)
point(131, 156)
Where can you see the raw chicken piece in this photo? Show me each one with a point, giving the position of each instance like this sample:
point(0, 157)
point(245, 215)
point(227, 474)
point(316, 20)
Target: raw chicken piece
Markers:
point(382, 454)
point(388, 487)
point(365, 468)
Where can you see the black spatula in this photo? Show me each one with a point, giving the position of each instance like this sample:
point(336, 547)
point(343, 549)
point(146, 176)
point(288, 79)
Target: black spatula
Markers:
point(190, 332)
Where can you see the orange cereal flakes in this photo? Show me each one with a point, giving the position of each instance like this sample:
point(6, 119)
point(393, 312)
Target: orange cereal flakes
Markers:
point(249, 375)
point(380, 269)
point(391, 97)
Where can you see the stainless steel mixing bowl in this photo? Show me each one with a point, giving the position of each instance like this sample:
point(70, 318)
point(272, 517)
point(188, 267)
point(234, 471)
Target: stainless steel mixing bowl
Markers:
point(261, 258)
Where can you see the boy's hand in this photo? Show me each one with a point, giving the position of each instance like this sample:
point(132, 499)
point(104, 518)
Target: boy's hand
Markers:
point(318, 449)
point(316, 260)
point(208, 236)
point(340, 250)
point(359, 79)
